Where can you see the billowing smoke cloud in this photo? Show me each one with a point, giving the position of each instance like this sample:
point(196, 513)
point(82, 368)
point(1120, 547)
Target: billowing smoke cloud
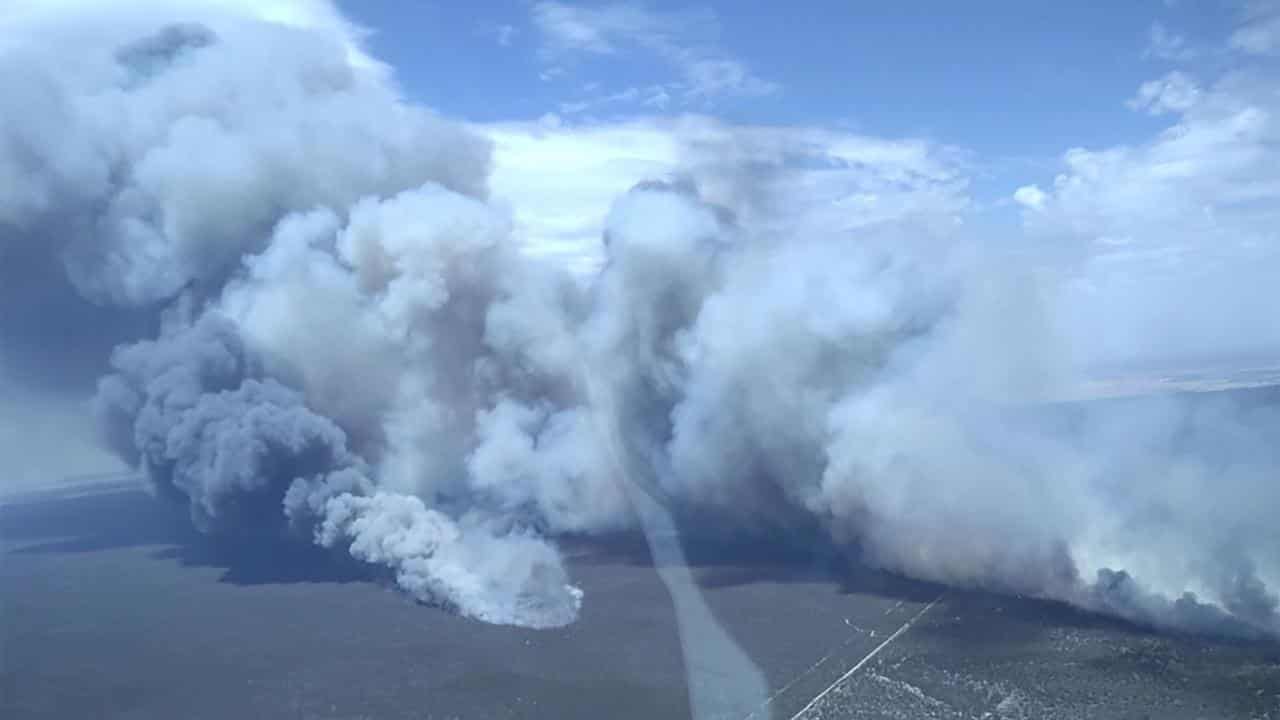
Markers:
point(899, 404)
point(352, 351)
point(321, 262)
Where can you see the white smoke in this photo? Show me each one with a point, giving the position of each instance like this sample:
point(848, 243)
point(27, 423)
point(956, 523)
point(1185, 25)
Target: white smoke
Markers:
point(353, 351)
point(898, 401)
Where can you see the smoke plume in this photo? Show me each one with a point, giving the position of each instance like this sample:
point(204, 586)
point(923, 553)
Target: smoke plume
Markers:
point(327, 333)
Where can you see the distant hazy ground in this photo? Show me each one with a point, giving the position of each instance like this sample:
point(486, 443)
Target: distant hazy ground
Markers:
point(48, 441)
point(1204, 380)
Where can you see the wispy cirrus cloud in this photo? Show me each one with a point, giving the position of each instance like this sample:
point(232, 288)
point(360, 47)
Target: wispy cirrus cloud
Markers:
point(1259, 34)
point(684, 42)
point(1175, 92)
point(1165, 44)
point(505, 34)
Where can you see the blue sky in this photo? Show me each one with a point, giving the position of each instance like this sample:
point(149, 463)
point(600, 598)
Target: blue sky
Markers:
point(1004, 78)
point(1011, 85)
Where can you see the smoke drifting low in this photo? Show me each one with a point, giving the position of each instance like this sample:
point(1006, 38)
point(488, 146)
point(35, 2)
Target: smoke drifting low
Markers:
point(352, 351)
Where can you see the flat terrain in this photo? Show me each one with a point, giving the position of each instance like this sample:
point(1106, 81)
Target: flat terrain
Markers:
point(111, 608)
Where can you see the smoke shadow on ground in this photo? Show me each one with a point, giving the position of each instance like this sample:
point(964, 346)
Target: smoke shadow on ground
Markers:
point(119, 516)
point(985, 619)
point(719, 564)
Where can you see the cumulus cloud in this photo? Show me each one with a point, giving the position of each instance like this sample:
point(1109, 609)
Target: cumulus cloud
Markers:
point(1030, 196)
point(1191, 207)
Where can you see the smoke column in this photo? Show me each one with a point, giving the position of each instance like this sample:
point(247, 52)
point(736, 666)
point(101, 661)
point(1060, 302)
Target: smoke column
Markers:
point(324, 331)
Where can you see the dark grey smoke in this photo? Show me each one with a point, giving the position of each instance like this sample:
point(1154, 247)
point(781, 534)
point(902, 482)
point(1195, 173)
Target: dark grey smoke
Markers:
point(194, 411)
point(353, 351)
point(249, 458)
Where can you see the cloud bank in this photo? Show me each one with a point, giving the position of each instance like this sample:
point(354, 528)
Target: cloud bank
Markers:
point(1175, 237)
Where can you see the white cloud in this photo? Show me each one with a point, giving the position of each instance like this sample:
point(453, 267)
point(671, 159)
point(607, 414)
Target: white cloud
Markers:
point(566, 28)
point(1173, 238)
point(1175, 92)
point(711, 76)
point(550, 73)
point(1214, 169)
point(654, 96)
point(1030, 196)
point(561, 179)
point(679, 40)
